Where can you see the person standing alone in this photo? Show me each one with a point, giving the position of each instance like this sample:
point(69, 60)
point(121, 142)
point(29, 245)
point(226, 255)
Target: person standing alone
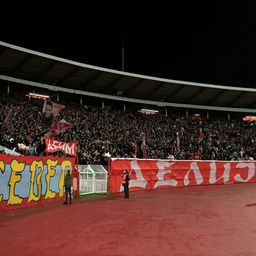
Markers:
point(67, 185)
point(125, 182)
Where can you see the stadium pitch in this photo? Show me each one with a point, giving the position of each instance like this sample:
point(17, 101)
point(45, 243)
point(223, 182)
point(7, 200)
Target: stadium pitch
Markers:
point(199, 220)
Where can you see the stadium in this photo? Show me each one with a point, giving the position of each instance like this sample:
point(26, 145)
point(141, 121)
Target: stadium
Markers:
point(189, 147)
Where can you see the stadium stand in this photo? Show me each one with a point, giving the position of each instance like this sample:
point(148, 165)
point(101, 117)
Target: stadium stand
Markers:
point(115, 131)
point(105, 123)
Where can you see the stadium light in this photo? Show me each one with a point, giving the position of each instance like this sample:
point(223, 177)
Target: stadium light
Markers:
point(196, 117)
point(148, 111)
point(37, 96)
point(249, 118)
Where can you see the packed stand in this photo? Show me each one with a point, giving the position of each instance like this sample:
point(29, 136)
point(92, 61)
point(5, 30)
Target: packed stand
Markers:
point(116, 133)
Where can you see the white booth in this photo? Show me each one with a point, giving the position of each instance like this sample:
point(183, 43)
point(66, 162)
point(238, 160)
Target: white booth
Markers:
point(93, 179)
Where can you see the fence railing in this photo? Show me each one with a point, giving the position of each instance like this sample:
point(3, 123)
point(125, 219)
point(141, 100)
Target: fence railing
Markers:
point(93, 179)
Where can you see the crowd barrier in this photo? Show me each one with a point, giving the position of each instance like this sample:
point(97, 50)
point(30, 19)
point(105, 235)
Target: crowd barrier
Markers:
point(28, 181)
point(153, 174)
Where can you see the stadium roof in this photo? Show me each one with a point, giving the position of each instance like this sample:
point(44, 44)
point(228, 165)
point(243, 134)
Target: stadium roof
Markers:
point(33, 68)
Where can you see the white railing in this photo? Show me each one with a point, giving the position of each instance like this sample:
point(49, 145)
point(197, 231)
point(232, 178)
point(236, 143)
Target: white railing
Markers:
point(93, 179)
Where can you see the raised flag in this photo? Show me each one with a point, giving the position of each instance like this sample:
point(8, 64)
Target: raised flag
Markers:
point(8, 121)
point(58, 127)
point(50, 111)
point(143, 145)
point(178, 141)
point(201, 135)
point(135, 150)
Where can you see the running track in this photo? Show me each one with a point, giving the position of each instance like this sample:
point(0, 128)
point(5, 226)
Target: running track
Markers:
point(203, 220)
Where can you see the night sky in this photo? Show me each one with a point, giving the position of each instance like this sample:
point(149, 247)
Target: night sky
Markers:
point(210, 44)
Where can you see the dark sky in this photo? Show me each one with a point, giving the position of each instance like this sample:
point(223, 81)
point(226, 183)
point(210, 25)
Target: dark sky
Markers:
point(211, 44)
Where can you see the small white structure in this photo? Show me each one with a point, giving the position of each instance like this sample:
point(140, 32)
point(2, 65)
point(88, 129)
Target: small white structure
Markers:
point(93, 179)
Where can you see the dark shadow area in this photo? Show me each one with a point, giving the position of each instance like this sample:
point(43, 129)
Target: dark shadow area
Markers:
point(250, 205)
point(14, 214)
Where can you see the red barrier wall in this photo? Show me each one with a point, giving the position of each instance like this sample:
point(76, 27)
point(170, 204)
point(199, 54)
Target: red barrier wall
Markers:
point(152, 174)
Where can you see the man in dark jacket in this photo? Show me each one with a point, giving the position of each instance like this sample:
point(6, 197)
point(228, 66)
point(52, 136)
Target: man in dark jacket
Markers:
point(67, 185)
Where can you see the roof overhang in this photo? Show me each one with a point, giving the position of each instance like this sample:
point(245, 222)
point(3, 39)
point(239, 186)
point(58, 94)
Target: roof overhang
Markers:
point(37, 69)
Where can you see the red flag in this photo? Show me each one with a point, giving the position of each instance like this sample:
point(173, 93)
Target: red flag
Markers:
point(50, 111)
point(57, 128)
point(135, 150)
point(178, 141)
point(8, 121)
point(143, 145)
point(201, 135)
point(56, 108)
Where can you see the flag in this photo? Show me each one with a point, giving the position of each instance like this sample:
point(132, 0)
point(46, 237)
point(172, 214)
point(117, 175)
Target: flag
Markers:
point(143, 145)
point(58, 127)
point(50, 111)
point(135, 150)
point(55, 107)
point(201, 136)
point(178, 141)
point(8, 121)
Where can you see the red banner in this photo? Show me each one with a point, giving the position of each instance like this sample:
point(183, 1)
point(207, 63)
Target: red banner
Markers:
point(152, 174)
point(54, 145)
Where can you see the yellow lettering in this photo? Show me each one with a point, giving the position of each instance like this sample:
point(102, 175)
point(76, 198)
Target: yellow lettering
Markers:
point(2, 168)
point(65, 164)
point(50, 173)
point(32, 196)
point(15, 177)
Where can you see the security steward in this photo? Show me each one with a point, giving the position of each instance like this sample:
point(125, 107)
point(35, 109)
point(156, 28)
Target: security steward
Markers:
point(125, 182)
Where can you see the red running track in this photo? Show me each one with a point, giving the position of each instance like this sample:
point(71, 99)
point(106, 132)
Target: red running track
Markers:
point(204, 220)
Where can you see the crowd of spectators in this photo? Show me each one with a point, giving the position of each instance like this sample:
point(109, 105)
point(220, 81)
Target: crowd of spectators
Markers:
point(117, 133)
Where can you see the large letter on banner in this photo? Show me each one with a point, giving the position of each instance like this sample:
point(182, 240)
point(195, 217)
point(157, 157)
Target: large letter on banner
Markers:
point(16, 176)
point(36, 180)
point(213, 172)
point(198, 175)
point(251, 171)
point(140, 181)
point(51, 167)
point(160, 175)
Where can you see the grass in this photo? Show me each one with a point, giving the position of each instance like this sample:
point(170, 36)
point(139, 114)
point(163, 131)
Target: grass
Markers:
point(95, 195)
